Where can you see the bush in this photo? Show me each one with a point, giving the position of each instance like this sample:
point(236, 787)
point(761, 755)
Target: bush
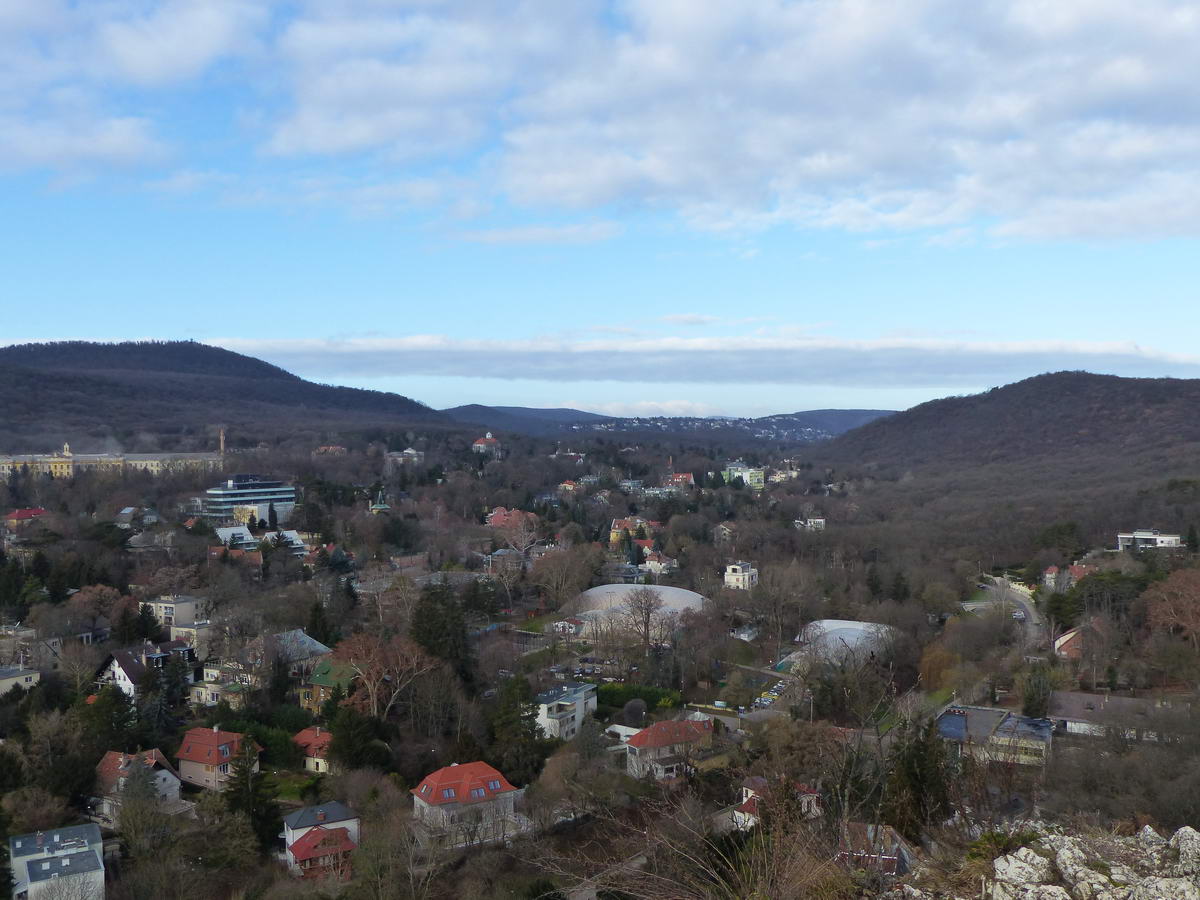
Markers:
point(617, 695)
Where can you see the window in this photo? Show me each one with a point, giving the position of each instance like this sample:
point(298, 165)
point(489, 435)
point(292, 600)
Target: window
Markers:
point(224, 749)
point(478, 793)
point(494, 784)
point(224, 768)
point(447, 793)
point(424, 789)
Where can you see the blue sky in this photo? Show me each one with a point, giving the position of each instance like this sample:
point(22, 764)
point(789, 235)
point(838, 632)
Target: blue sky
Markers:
point(645, 206)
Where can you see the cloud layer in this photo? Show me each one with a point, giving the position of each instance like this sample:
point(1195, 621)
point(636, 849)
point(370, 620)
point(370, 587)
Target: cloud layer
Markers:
point(1025, 117)
point(898, 363)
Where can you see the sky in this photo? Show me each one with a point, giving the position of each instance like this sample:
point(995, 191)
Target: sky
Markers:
point(628, 206)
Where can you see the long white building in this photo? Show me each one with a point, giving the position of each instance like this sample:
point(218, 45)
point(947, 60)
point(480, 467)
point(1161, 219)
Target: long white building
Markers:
point(244, 495)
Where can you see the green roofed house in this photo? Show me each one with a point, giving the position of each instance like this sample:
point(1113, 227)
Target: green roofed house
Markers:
point(327, 675)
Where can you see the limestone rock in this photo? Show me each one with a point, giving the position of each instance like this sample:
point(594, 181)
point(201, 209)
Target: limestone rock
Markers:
point(1150, 839)
point(1004, 891)
point(1024, 867)
point(1166, 889)
point(1186, 842)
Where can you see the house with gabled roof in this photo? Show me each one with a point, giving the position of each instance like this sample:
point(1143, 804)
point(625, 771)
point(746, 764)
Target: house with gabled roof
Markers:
point(318, 840)
point(314, 742)
point(328, 675)
point(206, 756)
point(662, 751)
point(126, 668)
point(468, 804)
point(112, 773)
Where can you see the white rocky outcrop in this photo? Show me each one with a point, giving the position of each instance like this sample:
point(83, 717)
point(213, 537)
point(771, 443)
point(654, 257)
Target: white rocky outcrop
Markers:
point(1070, 867)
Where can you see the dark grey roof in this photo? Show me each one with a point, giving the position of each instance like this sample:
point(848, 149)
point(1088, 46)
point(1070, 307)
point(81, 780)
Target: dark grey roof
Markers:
point(296, 645)
point(1099, 708)
point(310, 815)
point(14, 671)
point(568, 691)
point(63, 865)
point(54, 840)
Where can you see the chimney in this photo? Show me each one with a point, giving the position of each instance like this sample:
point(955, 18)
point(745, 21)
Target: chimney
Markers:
point(320, 815)
point(216, 728)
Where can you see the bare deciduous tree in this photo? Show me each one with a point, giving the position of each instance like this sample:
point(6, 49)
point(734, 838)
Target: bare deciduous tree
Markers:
point(383, 668)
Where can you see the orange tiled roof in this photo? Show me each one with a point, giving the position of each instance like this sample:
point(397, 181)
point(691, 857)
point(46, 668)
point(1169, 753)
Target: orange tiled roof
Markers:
point(467, 783)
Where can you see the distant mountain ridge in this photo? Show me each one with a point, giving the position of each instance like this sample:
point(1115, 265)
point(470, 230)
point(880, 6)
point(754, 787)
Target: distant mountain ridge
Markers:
point(55, 391)
point(1057, 414)
point(105, 392)
point(809, 426)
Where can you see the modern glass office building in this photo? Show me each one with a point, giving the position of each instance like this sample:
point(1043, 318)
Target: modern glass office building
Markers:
point(232, 500)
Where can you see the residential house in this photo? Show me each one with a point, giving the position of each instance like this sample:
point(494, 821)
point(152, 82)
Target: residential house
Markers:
point(126, 668)
point(753, 478)
point(488, 445)
point(500, 517)
point(1148, 539)
point(1073, 642)
point(878, 848)
point(741, 576)
point(630, 485)
point(1060, 580)
point(318, 840)
point(563, 708)
point(237, 537)
point(813, 523)
point(568, 487)
point(325, 678)
point(657, 563)
point(17, 676)
point(680, 481)
point(222, 681)
point(1094, 715)
point(461, 805)
point(996, 735)
point(20, 519)
point(113, 771)
point(61, 862)
point(663, 750)
point(724, 533)
point(206, 756)
point(756, 791)
point(747, 814)
point(178, 609)
point(313, 742)
point(634, 526)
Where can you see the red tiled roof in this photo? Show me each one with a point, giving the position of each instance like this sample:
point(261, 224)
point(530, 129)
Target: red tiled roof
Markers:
point(1052, 570)
point(749, 806)
point(486, 441)
point(314, 741)
point(467, 783)
point(21, 515)
point(664, 734)
point(203, 745)
point(115, 764)
point(320, 841)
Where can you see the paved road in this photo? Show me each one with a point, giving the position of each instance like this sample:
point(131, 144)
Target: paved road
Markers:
point(1011, 599)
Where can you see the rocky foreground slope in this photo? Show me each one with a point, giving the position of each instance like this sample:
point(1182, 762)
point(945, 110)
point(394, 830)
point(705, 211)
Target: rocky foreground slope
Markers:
point(1066, 867)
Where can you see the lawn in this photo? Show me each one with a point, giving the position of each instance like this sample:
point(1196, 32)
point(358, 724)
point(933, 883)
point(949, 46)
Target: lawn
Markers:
point(289, 784)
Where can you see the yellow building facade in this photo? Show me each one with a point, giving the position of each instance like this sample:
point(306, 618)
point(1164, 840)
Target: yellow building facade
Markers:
point(66, 464)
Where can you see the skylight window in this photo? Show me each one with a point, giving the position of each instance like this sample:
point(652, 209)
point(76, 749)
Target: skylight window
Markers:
point(448, 793)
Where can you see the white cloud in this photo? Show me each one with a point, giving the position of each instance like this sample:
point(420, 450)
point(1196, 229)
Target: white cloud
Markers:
point(1065, 119)
point(888, 362)
point(689, 319)
point(178, 39)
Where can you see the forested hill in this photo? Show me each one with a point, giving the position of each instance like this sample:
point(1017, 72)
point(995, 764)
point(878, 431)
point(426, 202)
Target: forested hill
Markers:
point(88, 393)
point(1069, 415)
